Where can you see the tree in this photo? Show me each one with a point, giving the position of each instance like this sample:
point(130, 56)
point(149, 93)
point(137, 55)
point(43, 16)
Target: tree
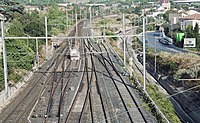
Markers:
point(196, 29)
point(197, 36)
point(9, 8)
point(15, 29)
point(193, 33)
point(189, 32)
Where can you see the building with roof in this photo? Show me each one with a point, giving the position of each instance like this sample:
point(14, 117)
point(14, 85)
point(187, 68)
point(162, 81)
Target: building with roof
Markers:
point(174, 20)
point(30, 8)
point(191, 12)
point(190, 20)
point(164, 1)
point(165, 4)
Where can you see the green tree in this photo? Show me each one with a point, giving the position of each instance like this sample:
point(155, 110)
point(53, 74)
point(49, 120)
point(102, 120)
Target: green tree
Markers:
point(196, 29)
point(56, 20)
point(15, 29)
point(197, 36)
point(189, 32)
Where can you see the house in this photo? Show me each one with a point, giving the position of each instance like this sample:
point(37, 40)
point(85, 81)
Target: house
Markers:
point(191, 12)
point(190, 20)
point(174, 20)
point(30, 8)
point(165, 4)
point(134, 4)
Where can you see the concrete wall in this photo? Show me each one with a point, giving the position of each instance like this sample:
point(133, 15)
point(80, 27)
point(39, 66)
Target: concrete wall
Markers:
point(13, 91)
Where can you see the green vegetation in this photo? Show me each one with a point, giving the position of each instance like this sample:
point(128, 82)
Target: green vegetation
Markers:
point(160, 99)
point(178, 66)
point(56, 20)
point(109, 33)
point(193, 33)
point(21, 53)
point(8, 9)
point(163, 102)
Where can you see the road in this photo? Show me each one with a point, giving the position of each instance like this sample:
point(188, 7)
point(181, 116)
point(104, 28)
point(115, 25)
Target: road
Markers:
point(152, 41)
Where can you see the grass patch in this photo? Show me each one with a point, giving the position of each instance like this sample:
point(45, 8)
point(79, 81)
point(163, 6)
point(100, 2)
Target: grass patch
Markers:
point(159, 98)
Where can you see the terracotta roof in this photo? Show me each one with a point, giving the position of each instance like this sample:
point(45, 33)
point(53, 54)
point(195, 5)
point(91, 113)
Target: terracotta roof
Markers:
point(192, 17)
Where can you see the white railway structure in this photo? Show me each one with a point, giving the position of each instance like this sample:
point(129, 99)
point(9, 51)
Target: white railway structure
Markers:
point(74, 54)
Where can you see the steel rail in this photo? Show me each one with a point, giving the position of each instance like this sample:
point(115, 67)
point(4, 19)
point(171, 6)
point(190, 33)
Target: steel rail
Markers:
point(119, 93)
point(35, 98)
point(113, 66)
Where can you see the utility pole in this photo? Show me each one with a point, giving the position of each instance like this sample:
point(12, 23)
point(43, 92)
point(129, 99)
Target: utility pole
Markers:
point(46, 38)
point(37, 54)
point(4, 60)
point(144, 55)
point(124, 39)
point(90, 15)
point(72, 18)
point(76, 26)
point(67, 23)
point(134, 22)
point(138, 22)
point(155, 55)
point(80, 14)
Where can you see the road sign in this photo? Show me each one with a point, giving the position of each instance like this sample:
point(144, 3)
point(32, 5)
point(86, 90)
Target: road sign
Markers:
point(190, 42)
point(179, 36)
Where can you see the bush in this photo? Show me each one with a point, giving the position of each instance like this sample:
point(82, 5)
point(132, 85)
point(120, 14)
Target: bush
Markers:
point(111, 34)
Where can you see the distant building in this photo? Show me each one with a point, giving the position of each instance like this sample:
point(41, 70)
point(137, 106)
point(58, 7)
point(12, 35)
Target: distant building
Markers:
point(191, 12)
point(174, 20)
point(134, 4)
point(164, 1)
point(30, 8)
point(190, 20)
point(165, 4)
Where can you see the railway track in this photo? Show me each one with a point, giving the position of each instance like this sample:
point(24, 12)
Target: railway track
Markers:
point(22, 106)
point(97, 93)
point(109, 62)
point(86, 93)
point(107, 109)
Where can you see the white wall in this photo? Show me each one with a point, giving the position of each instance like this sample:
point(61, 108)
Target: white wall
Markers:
point(186, 23)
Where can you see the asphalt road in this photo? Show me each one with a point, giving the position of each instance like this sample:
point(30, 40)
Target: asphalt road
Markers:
point(152, 41)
